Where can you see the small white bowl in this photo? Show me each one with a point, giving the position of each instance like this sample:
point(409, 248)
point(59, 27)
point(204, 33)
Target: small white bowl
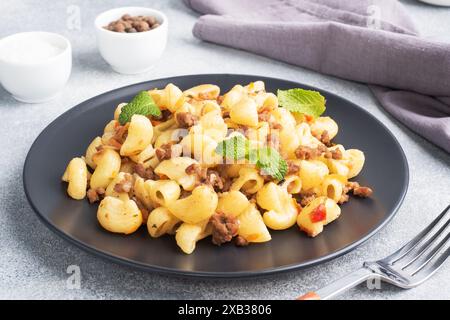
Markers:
point(131, 53)
point(39, 80)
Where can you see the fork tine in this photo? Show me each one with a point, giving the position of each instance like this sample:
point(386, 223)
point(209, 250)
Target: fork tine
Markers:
point(426, 273)
point(421, 263)
point(418, 253)
point(396, 256)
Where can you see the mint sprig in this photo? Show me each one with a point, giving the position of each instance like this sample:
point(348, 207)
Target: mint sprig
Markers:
point(142, 104)
point(270, 162)
point(266, 158)
point(308, 102)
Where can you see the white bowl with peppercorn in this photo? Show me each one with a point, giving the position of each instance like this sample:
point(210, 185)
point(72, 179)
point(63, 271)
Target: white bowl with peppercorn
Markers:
point(131, 39)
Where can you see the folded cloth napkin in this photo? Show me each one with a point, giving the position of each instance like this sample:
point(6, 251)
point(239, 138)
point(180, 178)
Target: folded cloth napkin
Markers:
point(370, 41)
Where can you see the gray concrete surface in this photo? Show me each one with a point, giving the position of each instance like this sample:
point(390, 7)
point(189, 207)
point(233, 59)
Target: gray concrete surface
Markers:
point(33, 261)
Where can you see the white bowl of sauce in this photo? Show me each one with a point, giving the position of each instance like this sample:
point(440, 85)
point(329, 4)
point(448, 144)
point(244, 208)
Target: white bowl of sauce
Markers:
point(35, 66)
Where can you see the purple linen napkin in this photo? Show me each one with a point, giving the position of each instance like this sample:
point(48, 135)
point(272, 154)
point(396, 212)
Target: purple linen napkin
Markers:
point(370, 41)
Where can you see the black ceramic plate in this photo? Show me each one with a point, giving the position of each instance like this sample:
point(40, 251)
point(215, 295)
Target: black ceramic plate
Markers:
point(385, 170)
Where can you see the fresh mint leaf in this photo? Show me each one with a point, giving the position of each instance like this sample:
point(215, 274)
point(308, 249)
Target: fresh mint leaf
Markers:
point(303, 101)
point(271, 162)
point(266, 158)
point(142, 104)
point(235, 147)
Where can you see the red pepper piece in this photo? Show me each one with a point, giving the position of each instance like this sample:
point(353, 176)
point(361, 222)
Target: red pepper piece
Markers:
point(319, 213)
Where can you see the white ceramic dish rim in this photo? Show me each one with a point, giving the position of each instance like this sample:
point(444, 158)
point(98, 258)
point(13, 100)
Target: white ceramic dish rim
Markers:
point(99, 25)
point(67, 47)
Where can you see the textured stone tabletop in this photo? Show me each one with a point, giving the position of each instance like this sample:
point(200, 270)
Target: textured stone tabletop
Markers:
point(34, 261)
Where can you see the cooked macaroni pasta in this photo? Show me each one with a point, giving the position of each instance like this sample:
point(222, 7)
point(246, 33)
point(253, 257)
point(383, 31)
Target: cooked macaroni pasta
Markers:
point(173, 173)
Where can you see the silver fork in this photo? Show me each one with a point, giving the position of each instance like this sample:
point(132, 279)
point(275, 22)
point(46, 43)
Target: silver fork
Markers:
point(406, 268)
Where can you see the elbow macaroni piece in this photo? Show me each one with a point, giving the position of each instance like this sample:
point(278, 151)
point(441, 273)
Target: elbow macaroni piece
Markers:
point(333, 186)
point(141, 193)
point(322, 124)
point(118, 110)
point(212, 125)
point(312, 173)
point(162, 127)
point(356, 161)
point(232, 203)
point(91, 150)
point(188, 234)
point(289, 142)
point(108, 164)
point(245, 112)
point(202, 148)
point(233, 96)
point(292, 184)
point(311, 228)
point(160, 221)
point(140, 133)
point(167, 98)
point(111, 191)
point(197, 207)
point(252, 227)
point(163, 192)
point(109, 131)
point(145, 155)
point(76, 175)
point(249, 180)
point(119, 216)
point(175, 169)
point(203, 92)
point(282, 210)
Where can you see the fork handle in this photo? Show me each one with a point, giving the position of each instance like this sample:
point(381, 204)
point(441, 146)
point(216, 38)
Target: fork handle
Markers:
point(335, 288)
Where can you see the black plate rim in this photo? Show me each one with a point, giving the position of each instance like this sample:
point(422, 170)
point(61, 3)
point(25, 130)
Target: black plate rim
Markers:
point(210, 274)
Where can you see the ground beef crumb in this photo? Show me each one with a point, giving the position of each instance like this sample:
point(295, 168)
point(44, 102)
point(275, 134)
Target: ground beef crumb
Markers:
point(226, 184)
point(120, 133)
point(95, 195)
point(92, 196)
point(293, 168)
point(241, 241)
point(163, 117)
point(275, 125)
point(113, 143)
point(125, 185)
point(206, 176)
point(186, 119)
point(224, 228)
point(343, 199)
point(335, 154)
point(145, 173)
point(362, 192)
point(306, 198)
point(325, 138)
point(164, 152)
point(184, 194)
point(144, 210)
point(198, 170)
point(308, 153)
point(356, 189)
point(214, 180)
point(264, 116)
